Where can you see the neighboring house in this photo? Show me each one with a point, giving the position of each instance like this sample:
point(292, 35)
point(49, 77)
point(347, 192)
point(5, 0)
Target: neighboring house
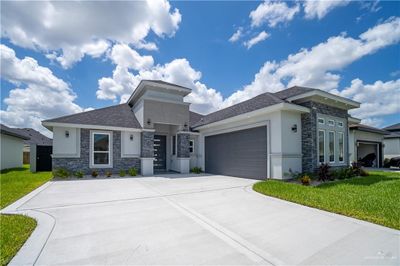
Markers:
point(365, 140)
point(12, 145)
point(267, 136)
point(392, 141)
point(37, 150)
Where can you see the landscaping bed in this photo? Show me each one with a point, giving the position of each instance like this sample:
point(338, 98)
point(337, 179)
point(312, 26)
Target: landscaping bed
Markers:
point(374, 198)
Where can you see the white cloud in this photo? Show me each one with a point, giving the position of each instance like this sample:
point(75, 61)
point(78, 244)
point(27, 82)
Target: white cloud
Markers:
point(313, 67)
point(69, 30)
point(273, 13)
point(259, 38)
point(319, 9)
point(237, 35)
point(124, 56)
point(377, 99)
point(39, 95)
point(123, 82)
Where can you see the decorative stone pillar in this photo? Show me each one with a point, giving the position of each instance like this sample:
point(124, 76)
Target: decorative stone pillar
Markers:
point(147, 153)
point(183, 152)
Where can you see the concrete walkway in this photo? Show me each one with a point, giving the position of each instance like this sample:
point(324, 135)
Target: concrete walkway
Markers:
point(202, 220)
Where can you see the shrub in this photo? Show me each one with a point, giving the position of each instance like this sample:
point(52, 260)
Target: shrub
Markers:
point(132, 171)
point(95, 173)
point(363, 172)
point(122, 173)
point(324, 173)
point(356, 168)
point(60, 172)
point(79, 174)
point(108, 174)
point(305, 180)
point(343, 173)
point(386, 163)
point(196, 170)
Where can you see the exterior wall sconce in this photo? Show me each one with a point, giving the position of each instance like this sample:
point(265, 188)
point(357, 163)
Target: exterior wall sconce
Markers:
point(66, 133)
point(148, 122)
point(185, 126)
point(294, 128)
point(131, 137)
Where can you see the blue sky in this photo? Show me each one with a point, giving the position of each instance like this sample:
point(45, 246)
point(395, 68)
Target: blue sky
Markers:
point(72, 64)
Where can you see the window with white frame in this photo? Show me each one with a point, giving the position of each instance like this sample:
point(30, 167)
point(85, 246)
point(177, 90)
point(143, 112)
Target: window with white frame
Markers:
point(321, 146)
point(101, 149)
point(191, 146)
point(331, 123)
point(331, 146)
point(340, 124)
point(321, 121)
point(341, 146)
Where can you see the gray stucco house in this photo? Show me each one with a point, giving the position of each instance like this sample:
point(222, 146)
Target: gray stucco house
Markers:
point(264, 137)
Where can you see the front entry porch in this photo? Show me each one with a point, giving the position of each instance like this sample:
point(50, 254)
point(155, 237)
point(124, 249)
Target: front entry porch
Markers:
point(166, 148)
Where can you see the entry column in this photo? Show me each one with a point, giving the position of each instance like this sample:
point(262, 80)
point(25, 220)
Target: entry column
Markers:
point(147, 153)
point(183, 152)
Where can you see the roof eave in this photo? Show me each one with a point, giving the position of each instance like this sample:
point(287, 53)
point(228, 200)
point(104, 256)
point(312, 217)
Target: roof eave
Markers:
point(184, 91)
point(268, 109)
point(50, 125)
point(350, 104)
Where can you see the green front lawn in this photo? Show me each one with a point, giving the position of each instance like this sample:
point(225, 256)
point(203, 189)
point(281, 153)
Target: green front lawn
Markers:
point(374, 198)
point(17, 182)
point(15, 229)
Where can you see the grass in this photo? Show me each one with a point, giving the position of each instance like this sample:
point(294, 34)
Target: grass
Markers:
point(374, 198)
point(17, 182)
point(15, 229)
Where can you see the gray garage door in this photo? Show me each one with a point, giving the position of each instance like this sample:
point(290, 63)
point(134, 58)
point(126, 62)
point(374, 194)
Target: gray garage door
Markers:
point(241, 153)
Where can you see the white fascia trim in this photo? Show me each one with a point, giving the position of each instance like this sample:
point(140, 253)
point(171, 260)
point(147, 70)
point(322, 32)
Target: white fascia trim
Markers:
point(56, 124)
point(265, 110)
point(143, 84)
point(324, 94)
point(354, 120)
point(188, 132)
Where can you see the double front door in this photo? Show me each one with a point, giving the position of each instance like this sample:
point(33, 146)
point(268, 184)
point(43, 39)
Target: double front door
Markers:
point(160, 152)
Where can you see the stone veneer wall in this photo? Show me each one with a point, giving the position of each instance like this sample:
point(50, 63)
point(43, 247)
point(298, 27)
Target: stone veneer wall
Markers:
point(82, 163)
point(147, 145)
point(309, 133)
point(183, 145)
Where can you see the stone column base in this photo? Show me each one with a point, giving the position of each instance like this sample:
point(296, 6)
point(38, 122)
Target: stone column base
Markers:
point(183, 165)
point(147, 166)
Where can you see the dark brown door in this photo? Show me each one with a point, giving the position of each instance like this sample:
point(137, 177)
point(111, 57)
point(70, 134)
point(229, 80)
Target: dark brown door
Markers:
point(160, 152)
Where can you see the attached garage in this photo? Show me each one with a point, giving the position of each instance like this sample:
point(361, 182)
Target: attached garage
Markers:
point(240, 153)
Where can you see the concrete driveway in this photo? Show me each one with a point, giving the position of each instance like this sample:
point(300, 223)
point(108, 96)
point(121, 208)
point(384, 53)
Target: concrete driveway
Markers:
point(195, 219)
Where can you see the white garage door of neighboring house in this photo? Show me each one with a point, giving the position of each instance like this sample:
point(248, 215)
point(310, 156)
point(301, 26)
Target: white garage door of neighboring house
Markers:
point(240, 153)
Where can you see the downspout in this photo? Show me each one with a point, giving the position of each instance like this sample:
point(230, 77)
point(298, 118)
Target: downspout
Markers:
point(268, 149)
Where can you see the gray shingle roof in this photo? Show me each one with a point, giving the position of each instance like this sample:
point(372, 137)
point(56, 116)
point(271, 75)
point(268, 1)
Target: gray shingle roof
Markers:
point(194, 118)
point(392, 135)
point(258, 102)
point(35, 137)
point(165, 83)
point(395, 127)
point(12, 132)
point(293, 91)
point(368, 129)
point(115, 116)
